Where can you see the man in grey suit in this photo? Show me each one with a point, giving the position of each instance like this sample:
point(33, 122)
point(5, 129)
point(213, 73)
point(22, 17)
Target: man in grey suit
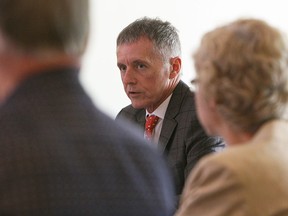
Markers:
point(242, 94)
point(148, 57)
point(59, 155)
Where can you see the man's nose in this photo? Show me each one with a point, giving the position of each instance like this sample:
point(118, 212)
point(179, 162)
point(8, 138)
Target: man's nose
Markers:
point(129, 76)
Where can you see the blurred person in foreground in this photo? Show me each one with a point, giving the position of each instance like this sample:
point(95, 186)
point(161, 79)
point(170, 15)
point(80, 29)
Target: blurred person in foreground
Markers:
point(59, 154)
point(242, 95)
point(149, 60)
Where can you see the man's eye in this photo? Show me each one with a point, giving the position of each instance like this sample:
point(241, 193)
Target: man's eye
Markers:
point(141, 66)
point(122, 68)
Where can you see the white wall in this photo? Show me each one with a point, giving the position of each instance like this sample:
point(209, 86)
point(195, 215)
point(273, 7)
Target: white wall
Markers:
point(192, 18)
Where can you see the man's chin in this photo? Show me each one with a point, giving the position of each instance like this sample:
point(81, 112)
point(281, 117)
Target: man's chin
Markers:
point(137, 105)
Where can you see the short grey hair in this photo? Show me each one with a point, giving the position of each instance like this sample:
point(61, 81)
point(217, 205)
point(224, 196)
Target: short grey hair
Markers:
point(163, 35)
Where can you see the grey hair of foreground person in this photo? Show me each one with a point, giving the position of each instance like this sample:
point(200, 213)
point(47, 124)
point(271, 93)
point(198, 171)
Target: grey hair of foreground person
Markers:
point(35, 27)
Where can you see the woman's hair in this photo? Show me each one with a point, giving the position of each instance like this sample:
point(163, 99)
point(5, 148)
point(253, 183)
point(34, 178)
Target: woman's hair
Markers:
point(243, 67)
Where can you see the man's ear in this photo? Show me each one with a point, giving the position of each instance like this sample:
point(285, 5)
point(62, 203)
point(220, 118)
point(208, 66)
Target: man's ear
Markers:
point(175, 67)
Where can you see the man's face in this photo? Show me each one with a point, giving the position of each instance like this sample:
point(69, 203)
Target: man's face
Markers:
point(144, 75)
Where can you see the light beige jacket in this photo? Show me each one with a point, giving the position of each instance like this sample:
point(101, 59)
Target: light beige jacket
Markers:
point(249, 179)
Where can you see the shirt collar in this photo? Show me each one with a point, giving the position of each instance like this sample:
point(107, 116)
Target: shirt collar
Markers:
point(161, 110)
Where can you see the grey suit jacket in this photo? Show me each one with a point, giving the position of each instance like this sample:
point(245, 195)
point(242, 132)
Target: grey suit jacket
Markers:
point(61, 156)
point(247, 179)
point(182, 139)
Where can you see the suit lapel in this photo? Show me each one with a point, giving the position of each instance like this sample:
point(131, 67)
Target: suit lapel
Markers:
point(173, 109)
point(140, 118)
point(168, 127)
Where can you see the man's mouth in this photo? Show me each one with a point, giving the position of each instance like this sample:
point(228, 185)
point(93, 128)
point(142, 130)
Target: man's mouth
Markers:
point(133, 93)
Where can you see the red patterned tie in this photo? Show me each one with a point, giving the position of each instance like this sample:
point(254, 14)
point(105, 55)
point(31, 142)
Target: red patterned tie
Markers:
point(151, 122)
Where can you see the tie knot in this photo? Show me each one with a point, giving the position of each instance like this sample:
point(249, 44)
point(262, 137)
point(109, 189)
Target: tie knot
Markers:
point(151, 122)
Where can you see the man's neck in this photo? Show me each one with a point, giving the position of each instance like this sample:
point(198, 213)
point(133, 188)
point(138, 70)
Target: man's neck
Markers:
point(14, 69)
point(233, 136)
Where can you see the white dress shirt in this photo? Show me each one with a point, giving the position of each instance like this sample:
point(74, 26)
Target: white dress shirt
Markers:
point(160, 112)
